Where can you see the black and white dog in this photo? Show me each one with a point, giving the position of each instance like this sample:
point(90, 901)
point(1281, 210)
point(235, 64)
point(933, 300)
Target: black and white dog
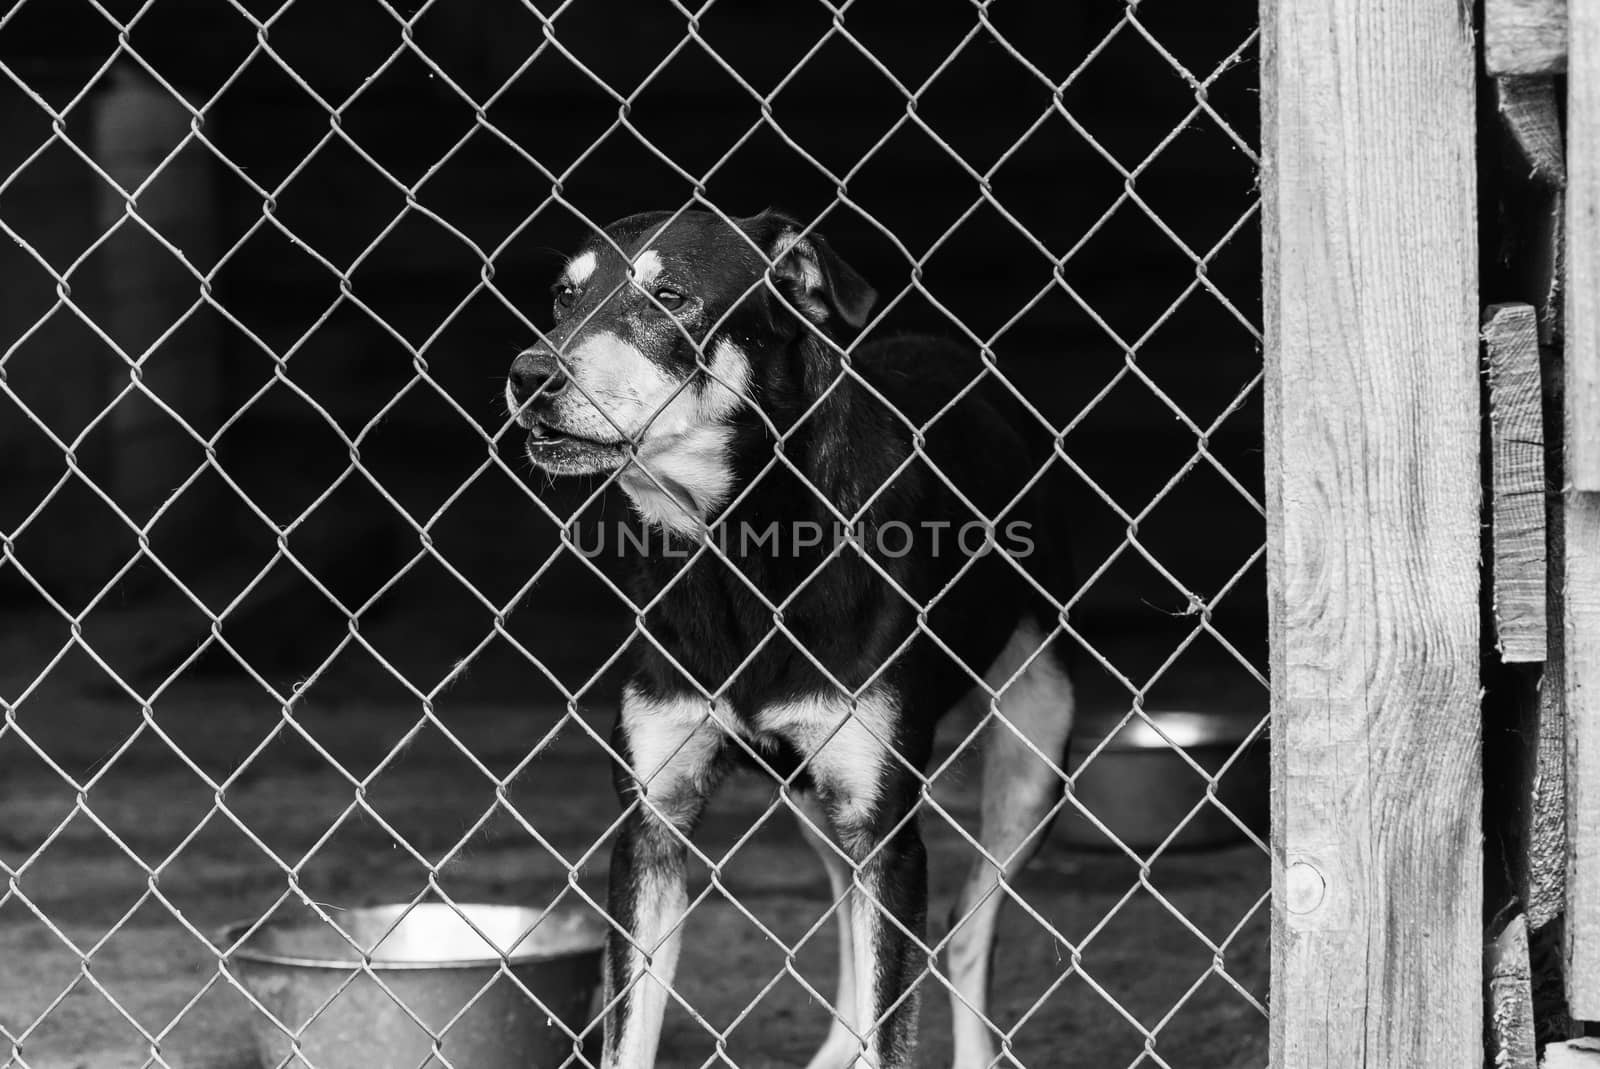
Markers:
point(700, 359)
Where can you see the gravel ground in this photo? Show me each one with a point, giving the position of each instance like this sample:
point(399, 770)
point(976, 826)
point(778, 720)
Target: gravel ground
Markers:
point(151, 955)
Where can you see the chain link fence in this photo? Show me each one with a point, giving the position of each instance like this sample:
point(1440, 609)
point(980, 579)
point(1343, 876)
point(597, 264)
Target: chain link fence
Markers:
point(291, 629)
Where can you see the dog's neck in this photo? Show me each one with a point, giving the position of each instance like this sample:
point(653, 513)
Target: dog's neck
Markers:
point(684, 485)
point(681, 487)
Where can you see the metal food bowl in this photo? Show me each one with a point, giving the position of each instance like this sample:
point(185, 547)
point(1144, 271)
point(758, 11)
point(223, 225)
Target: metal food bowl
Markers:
point(433, 961)
point(1141, 788)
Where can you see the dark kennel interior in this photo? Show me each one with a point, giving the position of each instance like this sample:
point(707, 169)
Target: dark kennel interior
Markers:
point(371, 210)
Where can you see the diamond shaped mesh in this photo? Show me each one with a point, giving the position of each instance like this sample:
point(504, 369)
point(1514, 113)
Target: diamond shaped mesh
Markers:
point(290, 628)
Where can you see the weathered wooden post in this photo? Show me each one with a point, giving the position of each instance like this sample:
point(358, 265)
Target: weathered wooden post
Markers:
point(1372, 443)
point(1581, 611)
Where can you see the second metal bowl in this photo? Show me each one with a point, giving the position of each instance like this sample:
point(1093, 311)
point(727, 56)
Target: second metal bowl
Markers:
point(1141, 788)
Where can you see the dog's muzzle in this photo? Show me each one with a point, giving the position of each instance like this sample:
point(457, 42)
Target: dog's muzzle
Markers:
point(536, 379)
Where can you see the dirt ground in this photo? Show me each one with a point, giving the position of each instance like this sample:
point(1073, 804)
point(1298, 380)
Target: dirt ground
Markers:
point(81, 862)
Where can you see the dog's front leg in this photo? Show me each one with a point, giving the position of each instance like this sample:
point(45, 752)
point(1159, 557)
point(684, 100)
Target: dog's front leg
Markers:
point(673, 751)
point(647, 900)
point(888, 919)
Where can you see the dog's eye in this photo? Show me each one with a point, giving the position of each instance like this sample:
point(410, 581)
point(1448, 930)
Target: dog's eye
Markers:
point(670, 299)
point(564, 295)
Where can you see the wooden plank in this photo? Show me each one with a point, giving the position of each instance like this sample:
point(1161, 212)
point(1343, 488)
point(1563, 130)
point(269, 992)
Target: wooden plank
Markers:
point(1511, 1042)
point(1532, 239)
point(1544, 830)
point(1526, 521)
point(1527, 820)
point(1581, 611)
point(1525, 36)
point(1372, 420)
point(1516, 449)
point(1583, 247)
point(1581, 669)
point(1528, 108)
point(1581, 641)
point(1545, 834)
point(1573, 1054)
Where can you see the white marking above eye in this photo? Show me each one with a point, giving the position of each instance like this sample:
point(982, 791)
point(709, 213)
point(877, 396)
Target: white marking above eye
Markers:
point(580, 268)
point(646, 267)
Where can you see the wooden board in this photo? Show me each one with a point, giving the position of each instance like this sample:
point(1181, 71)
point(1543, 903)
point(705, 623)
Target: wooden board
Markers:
point(1581, 612)
point(1510, 998)
point(1524, 518)
point(1581, 619)
point(1545, 834)
point(1581, 670)
point(1528, 108)
point(1516, 448)
point(1372, 412)
point(1583, 247)
point(1532, 230)
point(1524, 36)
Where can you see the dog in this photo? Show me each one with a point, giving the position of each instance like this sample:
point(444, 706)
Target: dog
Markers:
point(709, 366)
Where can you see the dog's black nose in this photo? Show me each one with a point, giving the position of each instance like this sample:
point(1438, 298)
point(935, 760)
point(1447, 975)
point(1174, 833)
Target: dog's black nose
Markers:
point(536, 374)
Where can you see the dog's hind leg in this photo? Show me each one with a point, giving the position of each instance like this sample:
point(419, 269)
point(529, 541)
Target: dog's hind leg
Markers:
point(673, 750)
point(1019, 789)
point(839, 1050)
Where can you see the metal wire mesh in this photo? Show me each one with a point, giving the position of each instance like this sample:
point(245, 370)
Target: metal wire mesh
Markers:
point(400, 38)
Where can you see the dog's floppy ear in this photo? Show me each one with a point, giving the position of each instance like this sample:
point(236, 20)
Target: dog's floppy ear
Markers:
point(817, 280)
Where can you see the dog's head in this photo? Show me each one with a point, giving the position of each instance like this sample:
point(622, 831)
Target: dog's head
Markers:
point(663, 328)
